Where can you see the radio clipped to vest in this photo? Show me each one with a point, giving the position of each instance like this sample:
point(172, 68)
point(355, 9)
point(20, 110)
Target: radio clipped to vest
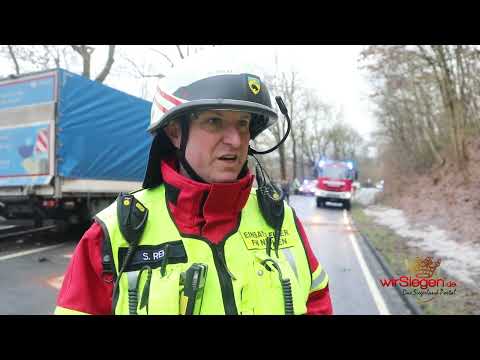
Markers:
point(270, 201)
point(132, 217)
point(193, 281)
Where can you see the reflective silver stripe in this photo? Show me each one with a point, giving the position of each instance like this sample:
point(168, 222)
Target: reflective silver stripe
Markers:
point(291, 260)
point(318, 280)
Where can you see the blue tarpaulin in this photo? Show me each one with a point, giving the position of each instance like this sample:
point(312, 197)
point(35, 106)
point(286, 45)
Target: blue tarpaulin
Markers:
point(101, 131)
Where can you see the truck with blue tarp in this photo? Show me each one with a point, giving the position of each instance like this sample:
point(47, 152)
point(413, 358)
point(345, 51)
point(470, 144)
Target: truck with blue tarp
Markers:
point(68, 146)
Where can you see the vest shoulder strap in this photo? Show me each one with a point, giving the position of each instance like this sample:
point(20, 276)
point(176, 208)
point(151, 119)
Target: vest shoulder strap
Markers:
point(107, 255)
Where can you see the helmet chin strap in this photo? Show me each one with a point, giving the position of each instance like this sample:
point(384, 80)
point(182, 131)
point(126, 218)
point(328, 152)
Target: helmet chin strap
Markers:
point(185, 125)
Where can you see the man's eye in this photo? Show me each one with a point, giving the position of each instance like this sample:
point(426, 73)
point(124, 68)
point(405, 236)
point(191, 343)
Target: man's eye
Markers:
point(244, 123)
point(214, 121)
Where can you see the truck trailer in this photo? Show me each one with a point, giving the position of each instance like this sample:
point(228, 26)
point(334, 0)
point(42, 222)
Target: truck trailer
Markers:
point(68, 146)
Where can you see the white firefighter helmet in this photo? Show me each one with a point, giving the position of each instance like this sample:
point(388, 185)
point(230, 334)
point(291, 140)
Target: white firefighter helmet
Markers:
point(215, 82)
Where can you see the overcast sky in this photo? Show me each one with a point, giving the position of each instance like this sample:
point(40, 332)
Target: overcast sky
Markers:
point(332, 70)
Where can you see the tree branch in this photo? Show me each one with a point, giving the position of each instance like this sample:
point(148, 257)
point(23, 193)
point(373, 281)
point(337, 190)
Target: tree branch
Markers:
point(180, 51)
point(106, 69)
point(140, 72)
point(14, 59)
point(77, 48)
point(165, 56)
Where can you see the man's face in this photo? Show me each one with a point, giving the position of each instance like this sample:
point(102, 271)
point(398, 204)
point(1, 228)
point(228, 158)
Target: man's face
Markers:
point(218, 144)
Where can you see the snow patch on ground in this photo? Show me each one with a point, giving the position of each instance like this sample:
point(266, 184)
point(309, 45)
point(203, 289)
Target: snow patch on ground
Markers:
point(461, 261)
point(366, 196)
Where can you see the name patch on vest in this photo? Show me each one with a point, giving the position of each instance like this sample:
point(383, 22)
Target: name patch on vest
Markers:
point(154, 255)
point(257, 240)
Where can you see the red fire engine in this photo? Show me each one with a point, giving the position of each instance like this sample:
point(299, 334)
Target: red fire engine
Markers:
point(335, 182)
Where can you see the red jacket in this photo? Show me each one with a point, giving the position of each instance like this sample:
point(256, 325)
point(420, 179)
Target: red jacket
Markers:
point(209, 210)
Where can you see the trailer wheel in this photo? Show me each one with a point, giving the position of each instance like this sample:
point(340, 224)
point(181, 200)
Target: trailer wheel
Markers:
point(319, 203)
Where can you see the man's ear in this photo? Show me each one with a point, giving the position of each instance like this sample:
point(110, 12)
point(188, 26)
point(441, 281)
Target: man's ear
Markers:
point(174, 133)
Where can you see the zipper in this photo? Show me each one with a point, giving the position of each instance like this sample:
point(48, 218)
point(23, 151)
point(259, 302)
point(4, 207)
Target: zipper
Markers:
point(225, 277)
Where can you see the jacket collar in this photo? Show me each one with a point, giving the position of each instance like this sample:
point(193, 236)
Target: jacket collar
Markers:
point(209, 210)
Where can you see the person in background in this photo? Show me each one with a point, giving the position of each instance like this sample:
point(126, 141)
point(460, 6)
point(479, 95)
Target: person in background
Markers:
point(285, 185)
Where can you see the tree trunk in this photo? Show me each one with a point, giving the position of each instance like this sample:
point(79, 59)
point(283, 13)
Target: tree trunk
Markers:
point(427, 128)
point(86, 64)
point(291, 100)
point(438, 158)
point(294, 148)
point(283, 170)
point(456, 112)
point(106, 69)
point(85, 52)
point(302, 158)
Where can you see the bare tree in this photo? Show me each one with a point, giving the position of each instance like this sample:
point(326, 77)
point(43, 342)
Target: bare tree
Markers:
point(279, 128)
point(312, 118)
point(289, 90)
point(428, 100)
point(43, 57)
point(85, 52)
point(149, 67)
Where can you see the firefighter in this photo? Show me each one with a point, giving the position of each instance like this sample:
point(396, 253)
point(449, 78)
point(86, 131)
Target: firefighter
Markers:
point(197, 213)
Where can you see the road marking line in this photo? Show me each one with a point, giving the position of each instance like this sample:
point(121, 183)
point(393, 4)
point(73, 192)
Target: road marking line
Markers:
point(28, 252)
point(377, 297)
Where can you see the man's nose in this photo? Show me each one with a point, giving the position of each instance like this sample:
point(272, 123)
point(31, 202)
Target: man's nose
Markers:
point(232, 136)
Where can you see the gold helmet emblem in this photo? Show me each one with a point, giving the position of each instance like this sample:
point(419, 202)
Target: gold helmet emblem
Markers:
point(254, 85)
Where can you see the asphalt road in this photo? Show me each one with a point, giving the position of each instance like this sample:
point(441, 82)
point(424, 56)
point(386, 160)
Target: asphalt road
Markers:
point(31, 271)
point(353, 270)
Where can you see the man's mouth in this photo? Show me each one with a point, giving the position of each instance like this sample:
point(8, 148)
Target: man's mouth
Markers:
point(231, 158)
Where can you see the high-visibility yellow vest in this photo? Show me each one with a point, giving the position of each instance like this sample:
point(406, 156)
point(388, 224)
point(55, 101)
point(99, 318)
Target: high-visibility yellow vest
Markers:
point(237, 282)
